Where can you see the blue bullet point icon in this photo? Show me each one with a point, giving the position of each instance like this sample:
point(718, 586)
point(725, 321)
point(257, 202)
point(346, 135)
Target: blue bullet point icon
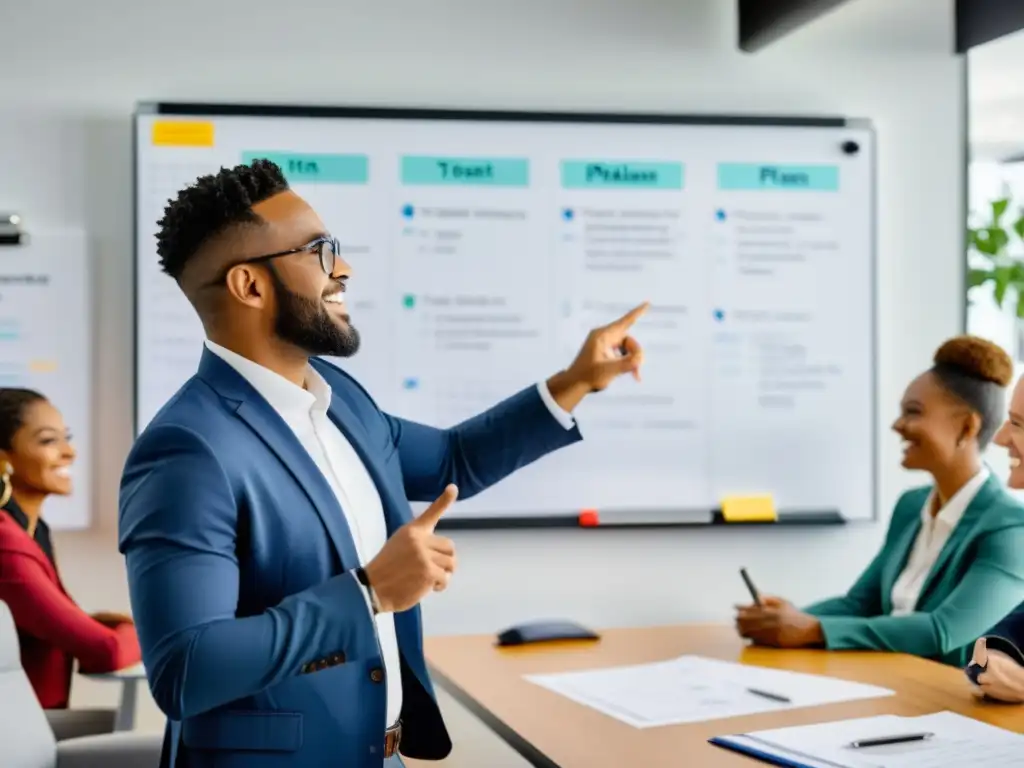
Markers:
point(567, 214)
point(719, 315)
point(720, 214)
point(410, 384)
point(408, 211)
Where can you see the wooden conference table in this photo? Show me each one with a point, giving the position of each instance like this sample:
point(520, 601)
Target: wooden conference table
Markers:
point(551, 731)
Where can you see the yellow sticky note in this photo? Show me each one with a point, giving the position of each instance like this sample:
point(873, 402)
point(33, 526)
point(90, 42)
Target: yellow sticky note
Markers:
point(182, 133)
point(42, 366)
point(749, 509)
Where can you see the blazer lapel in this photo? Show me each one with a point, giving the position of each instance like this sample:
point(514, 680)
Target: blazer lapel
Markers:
point(28, 546)
point(345, 419)
point(279, 438)
point(895, 565)
point(979, 505)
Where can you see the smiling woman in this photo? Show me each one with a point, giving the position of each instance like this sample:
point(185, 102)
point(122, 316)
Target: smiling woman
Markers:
point(35, 462)
point(953, 557)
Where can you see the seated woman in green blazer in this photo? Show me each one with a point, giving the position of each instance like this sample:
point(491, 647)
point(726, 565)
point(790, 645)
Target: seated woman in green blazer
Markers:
point(952, 563)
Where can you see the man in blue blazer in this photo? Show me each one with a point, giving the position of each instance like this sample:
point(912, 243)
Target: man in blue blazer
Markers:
point(274, 565)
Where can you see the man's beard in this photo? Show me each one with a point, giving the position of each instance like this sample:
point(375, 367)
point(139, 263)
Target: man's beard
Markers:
point(306, 324)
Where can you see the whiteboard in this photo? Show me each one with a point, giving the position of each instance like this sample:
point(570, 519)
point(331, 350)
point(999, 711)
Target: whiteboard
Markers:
point(46, 344)
point(485, 246)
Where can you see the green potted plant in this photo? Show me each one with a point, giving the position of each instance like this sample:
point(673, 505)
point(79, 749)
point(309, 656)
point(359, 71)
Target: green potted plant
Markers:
point(996, 255)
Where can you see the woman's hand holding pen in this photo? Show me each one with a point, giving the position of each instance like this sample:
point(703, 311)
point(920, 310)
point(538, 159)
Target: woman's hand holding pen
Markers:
point(779, 624)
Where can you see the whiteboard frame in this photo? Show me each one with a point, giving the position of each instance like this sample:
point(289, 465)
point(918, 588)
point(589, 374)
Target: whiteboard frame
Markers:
point(214, 110)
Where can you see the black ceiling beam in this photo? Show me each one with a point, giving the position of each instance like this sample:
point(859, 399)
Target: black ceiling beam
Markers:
point(762, 22)
point(981, 21)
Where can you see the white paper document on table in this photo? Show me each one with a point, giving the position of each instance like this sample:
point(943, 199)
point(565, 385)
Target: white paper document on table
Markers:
point(691, 689)
point(953, 741)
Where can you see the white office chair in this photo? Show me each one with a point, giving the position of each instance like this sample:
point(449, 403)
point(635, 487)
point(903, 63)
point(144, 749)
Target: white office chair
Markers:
point(28, 741)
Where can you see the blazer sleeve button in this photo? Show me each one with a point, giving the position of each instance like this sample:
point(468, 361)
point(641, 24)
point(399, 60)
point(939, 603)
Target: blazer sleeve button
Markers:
point(377, 675)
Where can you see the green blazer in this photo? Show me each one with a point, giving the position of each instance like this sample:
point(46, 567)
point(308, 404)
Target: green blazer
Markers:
point(976, 581)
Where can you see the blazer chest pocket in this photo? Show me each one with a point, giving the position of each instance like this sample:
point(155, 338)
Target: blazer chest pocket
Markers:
point(242, 731)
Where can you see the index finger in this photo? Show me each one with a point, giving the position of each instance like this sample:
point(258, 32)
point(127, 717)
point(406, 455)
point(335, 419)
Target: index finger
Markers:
point(625, 322)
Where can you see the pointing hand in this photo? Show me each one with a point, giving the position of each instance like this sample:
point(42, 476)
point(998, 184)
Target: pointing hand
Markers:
point(607, 353)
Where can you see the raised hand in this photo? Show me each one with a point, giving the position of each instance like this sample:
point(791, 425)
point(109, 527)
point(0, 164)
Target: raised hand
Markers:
point(415, 560)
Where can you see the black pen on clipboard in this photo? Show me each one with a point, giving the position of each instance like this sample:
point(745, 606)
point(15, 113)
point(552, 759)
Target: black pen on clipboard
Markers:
point(755, 596)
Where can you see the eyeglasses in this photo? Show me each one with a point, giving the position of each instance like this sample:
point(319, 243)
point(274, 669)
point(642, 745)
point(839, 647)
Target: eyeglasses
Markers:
point(326, 248)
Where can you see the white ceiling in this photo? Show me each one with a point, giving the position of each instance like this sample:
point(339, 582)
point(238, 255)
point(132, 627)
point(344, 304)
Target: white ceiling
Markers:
point(996, 98)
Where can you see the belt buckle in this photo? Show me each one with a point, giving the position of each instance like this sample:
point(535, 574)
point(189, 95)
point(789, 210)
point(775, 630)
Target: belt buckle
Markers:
point(392, 738)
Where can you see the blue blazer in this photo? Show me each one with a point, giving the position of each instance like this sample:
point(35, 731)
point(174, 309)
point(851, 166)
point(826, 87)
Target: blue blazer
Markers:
point(1008, 635)
point(257, 643)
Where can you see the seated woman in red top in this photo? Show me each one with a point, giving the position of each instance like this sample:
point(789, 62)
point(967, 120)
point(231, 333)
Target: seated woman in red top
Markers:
point(35, 459)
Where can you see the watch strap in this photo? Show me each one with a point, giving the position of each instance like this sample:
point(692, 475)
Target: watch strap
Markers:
point(364, 579)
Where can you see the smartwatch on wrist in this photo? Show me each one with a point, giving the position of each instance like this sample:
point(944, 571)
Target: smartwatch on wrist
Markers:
point(363, 579)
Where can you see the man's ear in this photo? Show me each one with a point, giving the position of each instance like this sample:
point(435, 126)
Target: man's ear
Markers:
point(249, 285)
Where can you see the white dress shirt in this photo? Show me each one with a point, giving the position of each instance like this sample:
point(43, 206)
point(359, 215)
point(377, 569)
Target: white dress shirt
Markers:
point(304, 410)
point(934, 533)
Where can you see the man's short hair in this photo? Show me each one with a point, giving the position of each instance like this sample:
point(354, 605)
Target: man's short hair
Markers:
point(211, 205)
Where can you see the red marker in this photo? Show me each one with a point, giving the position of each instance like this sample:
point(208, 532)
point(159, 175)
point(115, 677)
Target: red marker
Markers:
point(589, 518)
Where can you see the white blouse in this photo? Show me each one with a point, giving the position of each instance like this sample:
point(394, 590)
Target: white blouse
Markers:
point(934, 533)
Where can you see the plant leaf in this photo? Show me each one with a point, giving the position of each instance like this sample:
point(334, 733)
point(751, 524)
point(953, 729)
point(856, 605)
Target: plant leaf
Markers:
point(1018, 225)
point(998, 209)
point(1000, 237)
point(1001, 276)
point(976, 277)
point(983, 245)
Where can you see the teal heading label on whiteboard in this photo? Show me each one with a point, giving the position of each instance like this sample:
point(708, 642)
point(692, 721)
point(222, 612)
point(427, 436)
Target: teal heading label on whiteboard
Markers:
point(621, 174)
point(755, 176)
point(423, 170)
point(302, 168)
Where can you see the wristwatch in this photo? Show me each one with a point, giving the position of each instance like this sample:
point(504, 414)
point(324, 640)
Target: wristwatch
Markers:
point(363, 579)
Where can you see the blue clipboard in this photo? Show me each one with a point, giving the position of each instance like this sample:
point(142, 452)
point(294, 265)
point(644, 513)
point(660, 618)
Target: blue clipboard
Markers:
point(731, 743)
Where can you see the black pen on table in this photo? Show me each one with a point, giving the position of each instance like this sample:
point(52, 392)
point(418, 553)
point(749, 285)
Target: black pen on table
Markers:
point(750, 587)
point(883, 741)
point(769, 695)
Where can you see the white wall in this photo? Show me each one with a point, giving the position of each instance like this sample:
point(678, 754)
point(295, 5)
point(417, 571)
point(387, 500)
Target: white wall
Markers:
point(65, 158)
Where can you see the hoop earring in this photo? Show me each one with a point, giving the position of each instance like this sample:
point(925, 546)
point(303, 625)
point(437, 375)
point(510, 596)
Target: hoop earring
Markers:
point(5, 493)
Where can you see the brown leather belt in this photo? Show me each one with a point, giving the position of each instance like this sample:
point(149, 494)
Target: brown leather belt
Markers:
point(392, 738)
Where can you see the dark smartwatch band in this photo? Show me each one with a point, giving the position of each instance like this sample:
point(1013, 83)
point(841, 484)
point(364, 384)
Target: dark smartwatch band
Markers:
point(364, 579)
